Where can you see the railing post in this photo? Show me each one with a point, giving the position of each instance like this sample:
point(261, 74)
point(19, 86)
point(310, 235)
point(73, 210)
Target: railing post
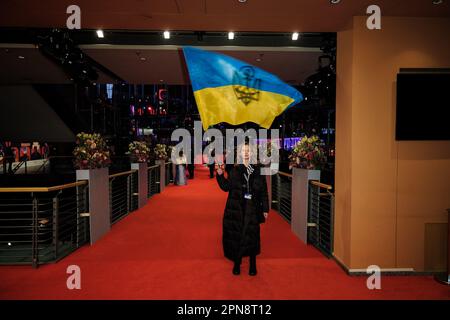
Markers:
point(162, 174)
point(139, 184)
point(77, 199)
point(110, 187)
point(319, 235)
point(86, 208)
point(34, 240)
point(129, 193)
point(149, 182)
point(331, 223)
point(299, 204)
point(55, 224)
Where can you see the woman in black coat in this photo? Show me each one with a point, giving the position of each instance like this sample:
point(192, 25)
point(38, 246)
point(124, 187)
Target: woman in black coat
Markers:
point(247, 206)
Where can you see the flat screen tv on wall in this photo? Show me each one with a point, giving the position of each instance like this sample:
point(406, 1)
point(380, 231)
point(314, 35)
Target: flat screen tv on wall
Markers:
point(423, 105)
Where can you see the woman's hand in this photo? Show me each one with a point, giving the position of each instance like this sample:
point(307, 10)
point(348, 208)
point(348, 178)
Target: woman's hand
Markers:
point(219, 169)
point(266, 214)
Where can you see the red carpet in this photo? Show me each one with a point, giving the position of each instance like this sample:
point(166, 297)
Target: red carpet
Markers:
point(171, 249)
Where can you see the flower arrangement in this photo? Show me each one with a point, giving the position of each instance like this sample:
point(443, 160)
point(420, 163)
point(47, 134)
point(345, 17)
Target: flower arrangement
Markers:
point(138, 151)
point(91, 151)
point(307, 154)
point(160, 151)
point(170, 150)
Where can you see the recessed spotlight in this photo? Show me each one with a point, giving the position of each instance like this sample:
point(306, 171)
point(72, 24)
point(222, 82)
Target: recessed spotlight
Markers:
point(21, 57)
point(166, 34)
point(295, 36)
point(230, 35)
point(143, 59)
point(335, 1)
point(242, 1)
point(100, 34)
point(161, 80)
point(437, 1)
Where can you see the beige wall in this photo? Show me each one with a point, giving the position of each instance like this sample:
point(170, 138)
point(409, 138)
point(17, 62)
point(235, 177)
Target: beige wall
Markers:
point(387, 192)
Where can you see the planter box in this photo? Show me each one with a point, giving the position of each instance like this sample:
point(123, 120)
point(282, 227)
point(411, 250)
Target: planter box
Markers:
point(99, 211)
point(162, 174)
point(299, 203)
point(142, 174)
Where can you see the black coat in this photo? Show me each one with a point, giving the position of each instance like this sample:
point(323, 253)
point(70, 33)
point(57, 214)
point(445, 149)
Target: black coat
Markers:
point(242, 217)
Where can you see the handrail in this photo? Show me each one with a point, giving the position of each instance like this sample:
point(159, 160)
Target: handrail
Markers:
point(44, 189)
point(153, 167)
point(122, 173)
point(321, 185)
point(285, 174)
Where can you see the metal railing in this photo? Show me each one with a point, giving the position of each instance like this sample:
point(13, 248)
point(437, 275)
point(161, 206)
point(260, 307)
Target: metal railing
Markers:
point(282, 194)
point(321, 217)
point(123, 192)
point(169, 173)
point(41, 225)
point(153, 180)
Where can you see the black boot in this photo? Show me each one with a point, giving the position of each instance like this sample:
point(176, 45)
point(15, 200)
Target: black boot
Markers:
point(237, 267)
point(252, 270)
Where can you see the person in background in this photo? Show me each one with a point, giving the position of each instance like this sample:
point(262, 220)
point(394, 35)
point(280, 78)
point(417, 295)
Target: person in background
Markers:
point(191, 164)
point(9, 157)
point(24, 156)
point(35, 155)
point(247, 206)
point(211, 164)
point(180, 175)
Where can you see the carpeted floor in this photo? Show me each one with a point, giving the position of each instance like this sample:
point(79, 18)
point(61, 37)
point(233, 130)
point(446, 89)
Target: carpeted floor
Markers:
point(171, 249)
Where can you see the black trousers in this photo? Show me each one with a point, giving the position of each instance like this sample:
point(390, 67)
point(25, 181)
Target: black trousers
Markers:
point(190, 168)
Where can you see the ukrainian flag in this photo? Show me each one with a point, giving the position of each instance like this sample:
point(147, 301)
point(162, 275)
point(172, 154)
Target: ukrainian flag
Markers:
point(232, 91)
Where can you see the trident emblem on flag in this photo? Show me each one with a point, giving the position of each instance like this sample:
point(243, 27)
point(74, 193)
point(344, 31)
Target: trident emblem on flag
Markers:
point(245, 85)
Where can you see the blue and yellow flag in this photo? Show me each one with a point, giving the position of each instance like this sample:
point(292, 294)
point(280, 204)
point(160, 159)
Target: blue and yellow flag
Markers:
point(232, 91)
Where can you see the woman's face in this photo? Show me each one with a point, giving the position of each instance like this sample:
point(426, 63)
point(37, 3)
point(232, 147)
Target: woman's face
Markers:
point(245, 153)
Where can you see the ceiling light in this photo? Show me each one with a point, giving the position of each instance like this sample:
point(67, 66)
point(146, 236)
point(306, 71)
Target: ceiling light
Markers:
point(437, 1)
point(166, 34)
point(335, 1)
point(295, 36)
point(100, 34)
point(21, 57)
point(242, 1)
point(230, 35)
point(142, 58)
